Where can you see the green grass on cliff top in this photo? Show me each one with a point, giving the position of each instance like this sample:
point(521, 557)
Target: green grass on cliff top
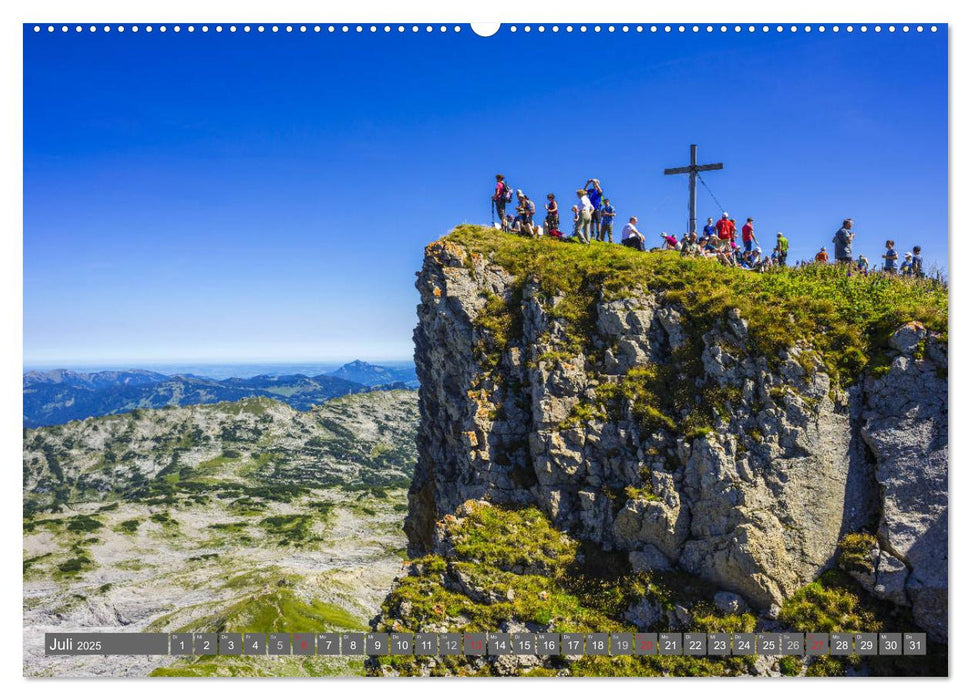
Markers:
point(846, 318)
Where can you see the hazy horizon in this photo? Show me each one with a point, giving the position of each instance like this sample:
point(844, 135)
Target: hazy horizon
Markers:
point(215, 369)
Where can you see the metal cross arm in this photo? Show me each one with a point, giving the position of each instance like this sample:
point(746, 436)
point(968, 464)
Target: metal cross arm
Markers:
point(696, 169)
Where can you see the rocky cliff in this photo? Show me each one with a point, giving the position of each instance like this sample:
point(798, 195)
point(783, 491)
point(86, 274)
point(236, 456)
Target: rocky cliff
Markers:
point(714, 423)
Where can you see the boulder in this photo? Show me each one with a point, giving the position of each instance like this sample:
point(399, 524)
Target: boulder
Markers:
point(907, 338)
point(648, 558)
point(730, 603)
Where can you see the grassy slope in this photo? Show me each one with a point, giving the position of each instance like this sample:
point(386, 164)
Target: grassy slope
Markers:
point(846, 318)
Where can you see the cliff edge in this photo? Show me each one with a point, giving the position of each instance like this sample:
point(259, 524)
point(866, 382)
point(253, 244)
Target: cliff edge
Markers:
point(748, 431)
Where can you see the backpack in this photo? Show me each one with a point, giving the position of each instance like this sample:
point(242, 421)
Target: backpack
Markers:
point(530, 207)
point(506, 192)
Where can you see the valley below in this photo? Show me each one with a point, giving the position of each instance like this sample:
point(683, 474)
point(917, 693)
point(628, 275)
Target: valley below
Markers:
point(246, 517)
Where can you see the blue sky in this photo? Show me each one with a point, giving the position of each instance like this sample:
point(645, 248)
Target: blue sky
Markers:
point(219, 197)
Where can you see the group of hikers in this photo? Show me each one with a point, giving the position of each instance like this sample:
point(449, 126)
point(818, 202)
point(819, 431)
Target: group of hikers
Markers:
point(911, 266)
point(593, 215)
point(593, 219)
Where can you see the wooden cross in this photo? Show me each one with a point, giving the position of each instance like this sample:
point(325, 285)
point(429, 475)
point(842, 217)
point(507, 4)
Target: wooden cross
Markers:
point(693, 169)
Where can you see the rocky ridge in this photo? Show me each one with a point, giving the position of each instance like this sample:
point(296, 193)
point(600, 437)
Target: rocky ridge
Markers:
point(681, 439)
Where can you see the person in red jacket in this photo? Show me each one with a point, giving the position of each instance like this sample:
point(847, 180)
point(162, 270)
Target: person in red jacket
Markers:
point(725, 229)
point(748, 235)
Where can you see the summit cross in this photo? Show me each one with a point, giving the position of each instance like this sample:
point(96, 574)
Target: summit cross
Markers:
point(692, 170)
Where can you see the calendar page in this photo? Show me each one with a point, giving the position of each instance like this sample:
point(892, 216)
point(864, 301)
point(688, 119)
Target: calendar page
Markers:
point(439, 349)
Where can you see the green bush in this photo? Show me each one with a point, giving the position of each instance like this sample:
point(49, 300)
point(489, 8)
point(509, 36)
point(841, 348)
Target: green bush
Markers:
point(162, 518)
point(826, 666)
point(84, 523)
point(833, 603)
point(790, 666)
point(130, 526)
point(73, 566)
point(510, 539)
point(291, 529)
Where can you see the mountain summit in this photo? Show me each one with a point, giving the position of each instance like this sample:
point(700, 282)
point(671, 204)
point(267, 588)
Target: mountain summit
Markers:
point(374, 375)
point(617, 440)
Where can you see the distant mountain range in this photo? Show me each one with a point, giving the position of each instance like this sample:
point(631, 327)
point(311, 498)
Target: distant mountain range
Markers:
point(58, 396)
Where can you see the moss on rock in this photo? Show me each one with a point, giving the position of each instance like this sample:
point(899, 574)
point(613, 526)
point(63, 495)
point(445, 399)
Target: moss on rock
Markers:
point(833, 603)
point(856, 552)
point(846, 319)
point(510, 568)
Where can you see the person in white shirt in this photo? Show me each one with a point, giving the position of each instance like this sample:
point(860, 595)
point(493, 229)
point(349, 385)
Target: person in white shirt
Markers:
point(586, 215)
point(631, 237)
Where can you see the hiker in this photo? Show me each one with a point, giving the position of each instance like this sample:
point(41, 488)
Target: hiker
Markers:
point(725, 256)
point(890, 258)
point(552, 215)
point(748, 235)
point(513, 225)
point(739, 256)
point(724, 229)
point(631, 237)
point(670, 242)
point(526, 209)
point(585, 216)
point(530, 213)
point(520, 196)
point(689, 246)
point(907, 266)
point(709, 230)
point(607, 215)
point(595, 193)
point(822, 256)
point(731, 232)
point(782, 244)
point(500, 196)
point(918, 262)
point(576, 223)
point(862, 264)
point(843, 241)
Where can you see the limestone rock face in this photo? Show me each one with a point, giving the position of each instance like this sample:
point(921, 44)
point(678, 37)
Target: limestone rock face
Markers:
point(905, 425)
point(515, 411)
